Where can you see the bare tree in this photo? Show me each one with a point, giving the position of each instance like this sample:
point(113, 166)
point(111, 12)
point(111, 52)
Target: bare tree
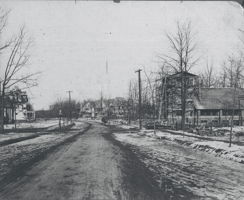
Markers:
point(182, 60)
point(233, 71)
point(234, 68)
point(208, 79)
point(152, 88)
point(132, 100)
point(222, 79)
point(16, 52)
point(163, 73)
point(3, 22)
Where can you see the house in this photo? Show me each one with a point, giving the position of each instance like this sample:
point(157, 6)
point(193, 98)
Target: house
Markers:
point(112, 108)
point(203, 105)
point(117, 107)
point(9, 112)
point(25, 112)
point(215, 106)
point(171, 87)
point(88, 109)
point(16, 107)
point(174, 80)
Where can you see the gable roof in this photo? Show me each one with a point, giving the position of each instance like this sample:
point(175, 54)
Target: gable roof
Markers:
point(185, 73)
point(218, 98)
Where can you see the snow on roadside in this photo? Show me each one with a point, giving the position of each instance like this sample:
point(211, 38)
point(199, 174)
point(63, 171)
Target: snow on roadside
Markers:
point(48, 124)
point(235, 129)
point(176, 167)
point(168, 136)
point(122, 124)
point(132, 138)
point(39, 140)
point(217, 148)
point(11, 136)
point(23, 151)
point(125, 126)
point(221, 149)
point(35, 124)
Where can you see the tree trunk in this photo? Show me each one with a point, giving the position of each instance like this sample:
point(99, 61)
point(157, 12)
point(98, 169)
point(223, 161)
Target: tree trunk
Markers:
point(13, 114)
point(183, 101)
point(183, 116)
point(232, 117)
point(15, 122)
point(2, 112)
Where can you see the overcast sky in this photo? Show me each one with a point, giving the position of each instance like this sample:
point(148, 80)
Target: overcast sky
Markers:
point(72, 42)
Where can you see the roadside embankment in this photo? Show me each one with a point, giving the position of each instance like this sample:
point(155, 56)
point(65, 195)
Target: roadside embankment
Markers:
point(217, 146)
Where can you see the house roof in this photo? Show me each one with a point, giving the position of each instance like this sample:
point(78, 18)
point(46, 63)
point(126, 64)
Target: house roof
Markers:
point(185, 73)
point(218, 98)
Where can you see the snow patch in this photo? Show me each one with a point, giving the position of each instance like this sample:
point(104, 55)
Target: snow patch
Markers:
point(221, 149)
point(217, 148)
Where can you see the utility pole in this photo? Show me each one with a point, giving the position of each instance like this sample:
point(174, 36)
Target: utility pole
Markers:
point(241, 97)
point(1, 110)
point(70, 112)
point(139, 84)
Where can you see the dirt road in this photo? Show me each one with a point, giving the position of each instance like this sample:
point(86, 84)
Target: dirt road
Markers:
point(93, 162)
point(90, 165)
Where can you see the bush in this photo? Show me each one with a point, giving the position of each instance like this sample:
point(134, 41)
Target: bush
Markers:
point(104, 120)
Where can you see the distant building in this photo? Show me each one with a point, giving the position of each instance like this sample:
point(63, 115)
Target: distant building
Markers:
point(88, 110)
point(118, 107)
point(112, 108)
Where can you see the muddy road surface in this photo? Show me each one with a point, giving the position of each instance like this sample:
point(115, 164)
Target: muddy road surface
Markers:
point(82, 163)
point(94, 162)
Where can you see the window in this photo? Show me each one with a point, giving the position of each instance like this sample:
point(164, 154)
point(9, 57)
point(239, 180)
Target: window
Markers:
point(190, 82)
point(236, 112)
point(229, 112)
point(209, 112)
point(225, 122)
point(178, 112)
point(215, 112)
point(215, 122)
point(205, 113)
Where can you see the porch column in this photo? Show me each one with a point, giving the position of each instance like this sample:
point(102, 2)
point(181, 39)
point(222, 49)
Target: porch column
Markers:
point(241, 114)
point(198, 116)
point(194, 117)
point(220, 115)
